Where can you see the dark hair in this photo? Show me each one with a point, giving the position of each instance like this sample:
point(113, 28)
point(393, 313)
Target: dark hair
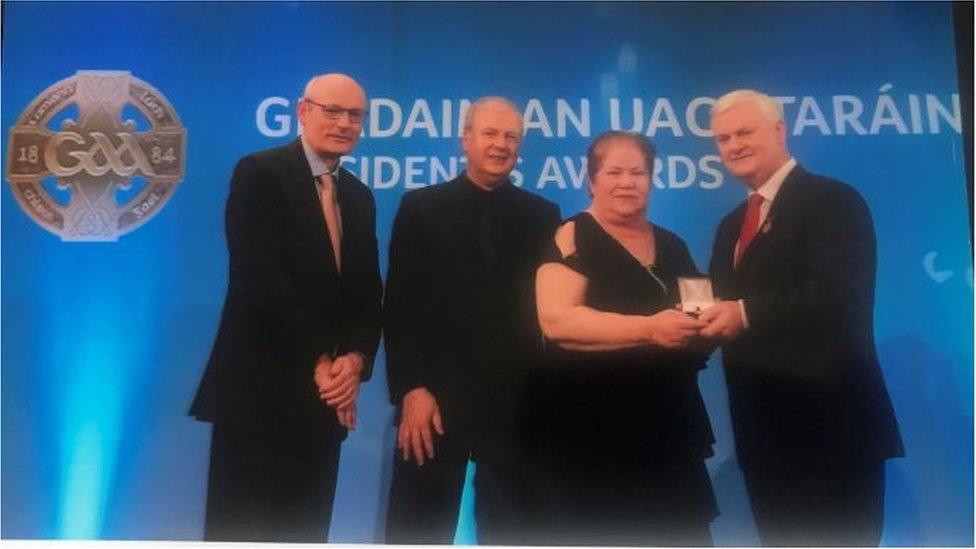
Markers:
point(594, 153)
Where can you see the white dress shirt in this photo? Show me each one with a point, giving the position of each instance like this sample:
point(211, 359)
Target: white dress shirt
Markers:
point(768, 191)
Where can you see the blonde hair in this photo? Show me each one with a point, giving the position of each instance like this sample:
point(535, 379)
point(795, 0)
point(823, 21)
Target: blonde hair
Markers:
point(477, 105)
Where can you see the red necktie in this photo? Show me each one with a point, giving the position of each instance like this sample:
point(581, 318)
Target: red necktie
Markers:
point(749, 224)
point(331, 212)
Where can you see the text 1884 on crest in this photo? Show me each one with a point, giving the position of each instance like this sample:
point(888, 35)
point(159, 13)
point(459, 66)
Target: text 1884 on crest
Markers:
point(98, 175)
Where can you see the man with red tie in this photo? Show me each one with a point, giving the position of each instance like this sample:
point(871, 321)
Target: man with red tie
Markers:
point(299, 330)
point(794, 266)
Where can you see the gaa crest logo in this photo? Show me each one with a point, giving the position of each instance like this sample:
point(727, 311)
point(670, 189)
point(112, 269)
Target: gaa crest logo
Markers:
point(111, 164)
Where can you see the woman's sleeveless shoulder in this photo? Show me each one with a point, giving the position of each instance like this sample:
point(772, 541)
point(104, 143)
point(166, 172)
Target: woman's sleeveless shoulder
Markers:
point(565, 245)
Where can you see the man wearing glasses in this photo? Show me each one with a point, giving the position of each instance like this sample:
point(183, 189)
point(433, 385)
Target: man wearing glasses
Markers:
point(299, 329)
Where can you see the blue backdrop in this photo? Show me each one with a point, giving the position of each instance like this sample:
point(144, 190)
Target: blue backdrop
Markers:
point(103, 343)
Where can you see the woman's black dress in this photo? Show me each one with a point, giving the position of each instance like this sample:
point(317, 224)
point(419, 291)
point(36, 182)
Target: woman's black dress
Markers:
point(620, 437)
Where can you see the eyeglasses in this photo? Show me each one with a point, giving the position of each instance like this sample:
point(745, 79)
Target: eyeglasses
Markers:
point(334, 112)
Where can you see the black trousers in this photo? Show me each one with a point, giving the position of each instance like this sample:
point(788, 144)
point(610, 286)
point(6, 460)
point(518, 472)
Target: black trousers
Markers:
point(425, 500)
point(604, 502)
point(271, 482)
point(821, 504)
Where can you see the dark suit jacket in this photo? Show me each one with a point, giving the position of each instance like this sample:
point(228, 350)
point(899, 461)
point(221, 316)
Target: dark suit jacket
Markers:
point(455, 325)
point(286, 304)
point(804, 379)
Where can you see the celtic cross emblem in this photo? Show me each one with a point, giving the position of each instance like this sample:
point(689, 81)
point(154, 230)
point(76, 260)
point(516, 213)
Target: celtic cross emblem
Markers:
point(96, 156)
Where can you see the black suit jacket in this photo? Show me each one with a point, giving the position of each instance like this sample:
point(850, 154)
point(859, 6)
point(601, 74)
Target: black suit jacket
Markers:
point(455, 324)
point(804, 380)
point(286, 303)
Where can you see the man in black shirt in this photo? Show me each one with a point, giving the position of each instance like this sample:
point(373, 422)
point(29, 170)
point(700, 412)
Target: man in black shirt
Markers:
point(461, 335)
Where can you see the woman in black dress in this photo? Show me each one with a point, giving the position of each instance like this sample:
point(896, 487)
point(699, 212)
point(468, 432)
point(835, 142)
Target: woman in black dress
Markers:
point(621, 430)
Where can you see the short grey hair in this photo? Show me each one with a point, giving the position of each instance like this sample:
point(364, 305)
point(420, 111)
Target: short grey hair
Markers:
point(482, 102)
point(332, 77)
point(308, 85)
point(767, 105)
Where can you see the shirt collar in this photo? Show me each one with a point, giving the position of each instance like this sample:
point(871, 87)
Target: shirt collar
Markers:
point(472, 189)
point(769, 189)
point(317, 165)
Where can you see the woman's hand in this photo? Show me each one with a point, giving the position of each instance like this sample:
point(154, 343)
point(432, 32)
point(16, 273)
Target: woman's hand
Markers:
point(673, 329)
